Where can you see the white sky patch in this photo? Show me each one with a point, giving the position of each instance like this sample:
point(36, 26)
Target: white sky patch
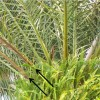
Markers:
point(92, 0)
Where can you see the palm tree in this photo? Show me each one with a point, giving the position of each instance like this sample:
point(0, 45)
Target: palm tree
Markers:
point(45, 32)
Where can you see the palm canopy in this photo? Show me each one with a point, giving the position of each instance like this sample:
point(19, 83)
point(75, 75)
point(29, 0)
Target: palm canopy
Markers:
point(35, 28)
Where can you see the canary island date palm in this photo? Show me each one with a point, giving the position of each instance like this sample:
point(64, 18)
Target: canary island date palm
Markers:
point(52, 35)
